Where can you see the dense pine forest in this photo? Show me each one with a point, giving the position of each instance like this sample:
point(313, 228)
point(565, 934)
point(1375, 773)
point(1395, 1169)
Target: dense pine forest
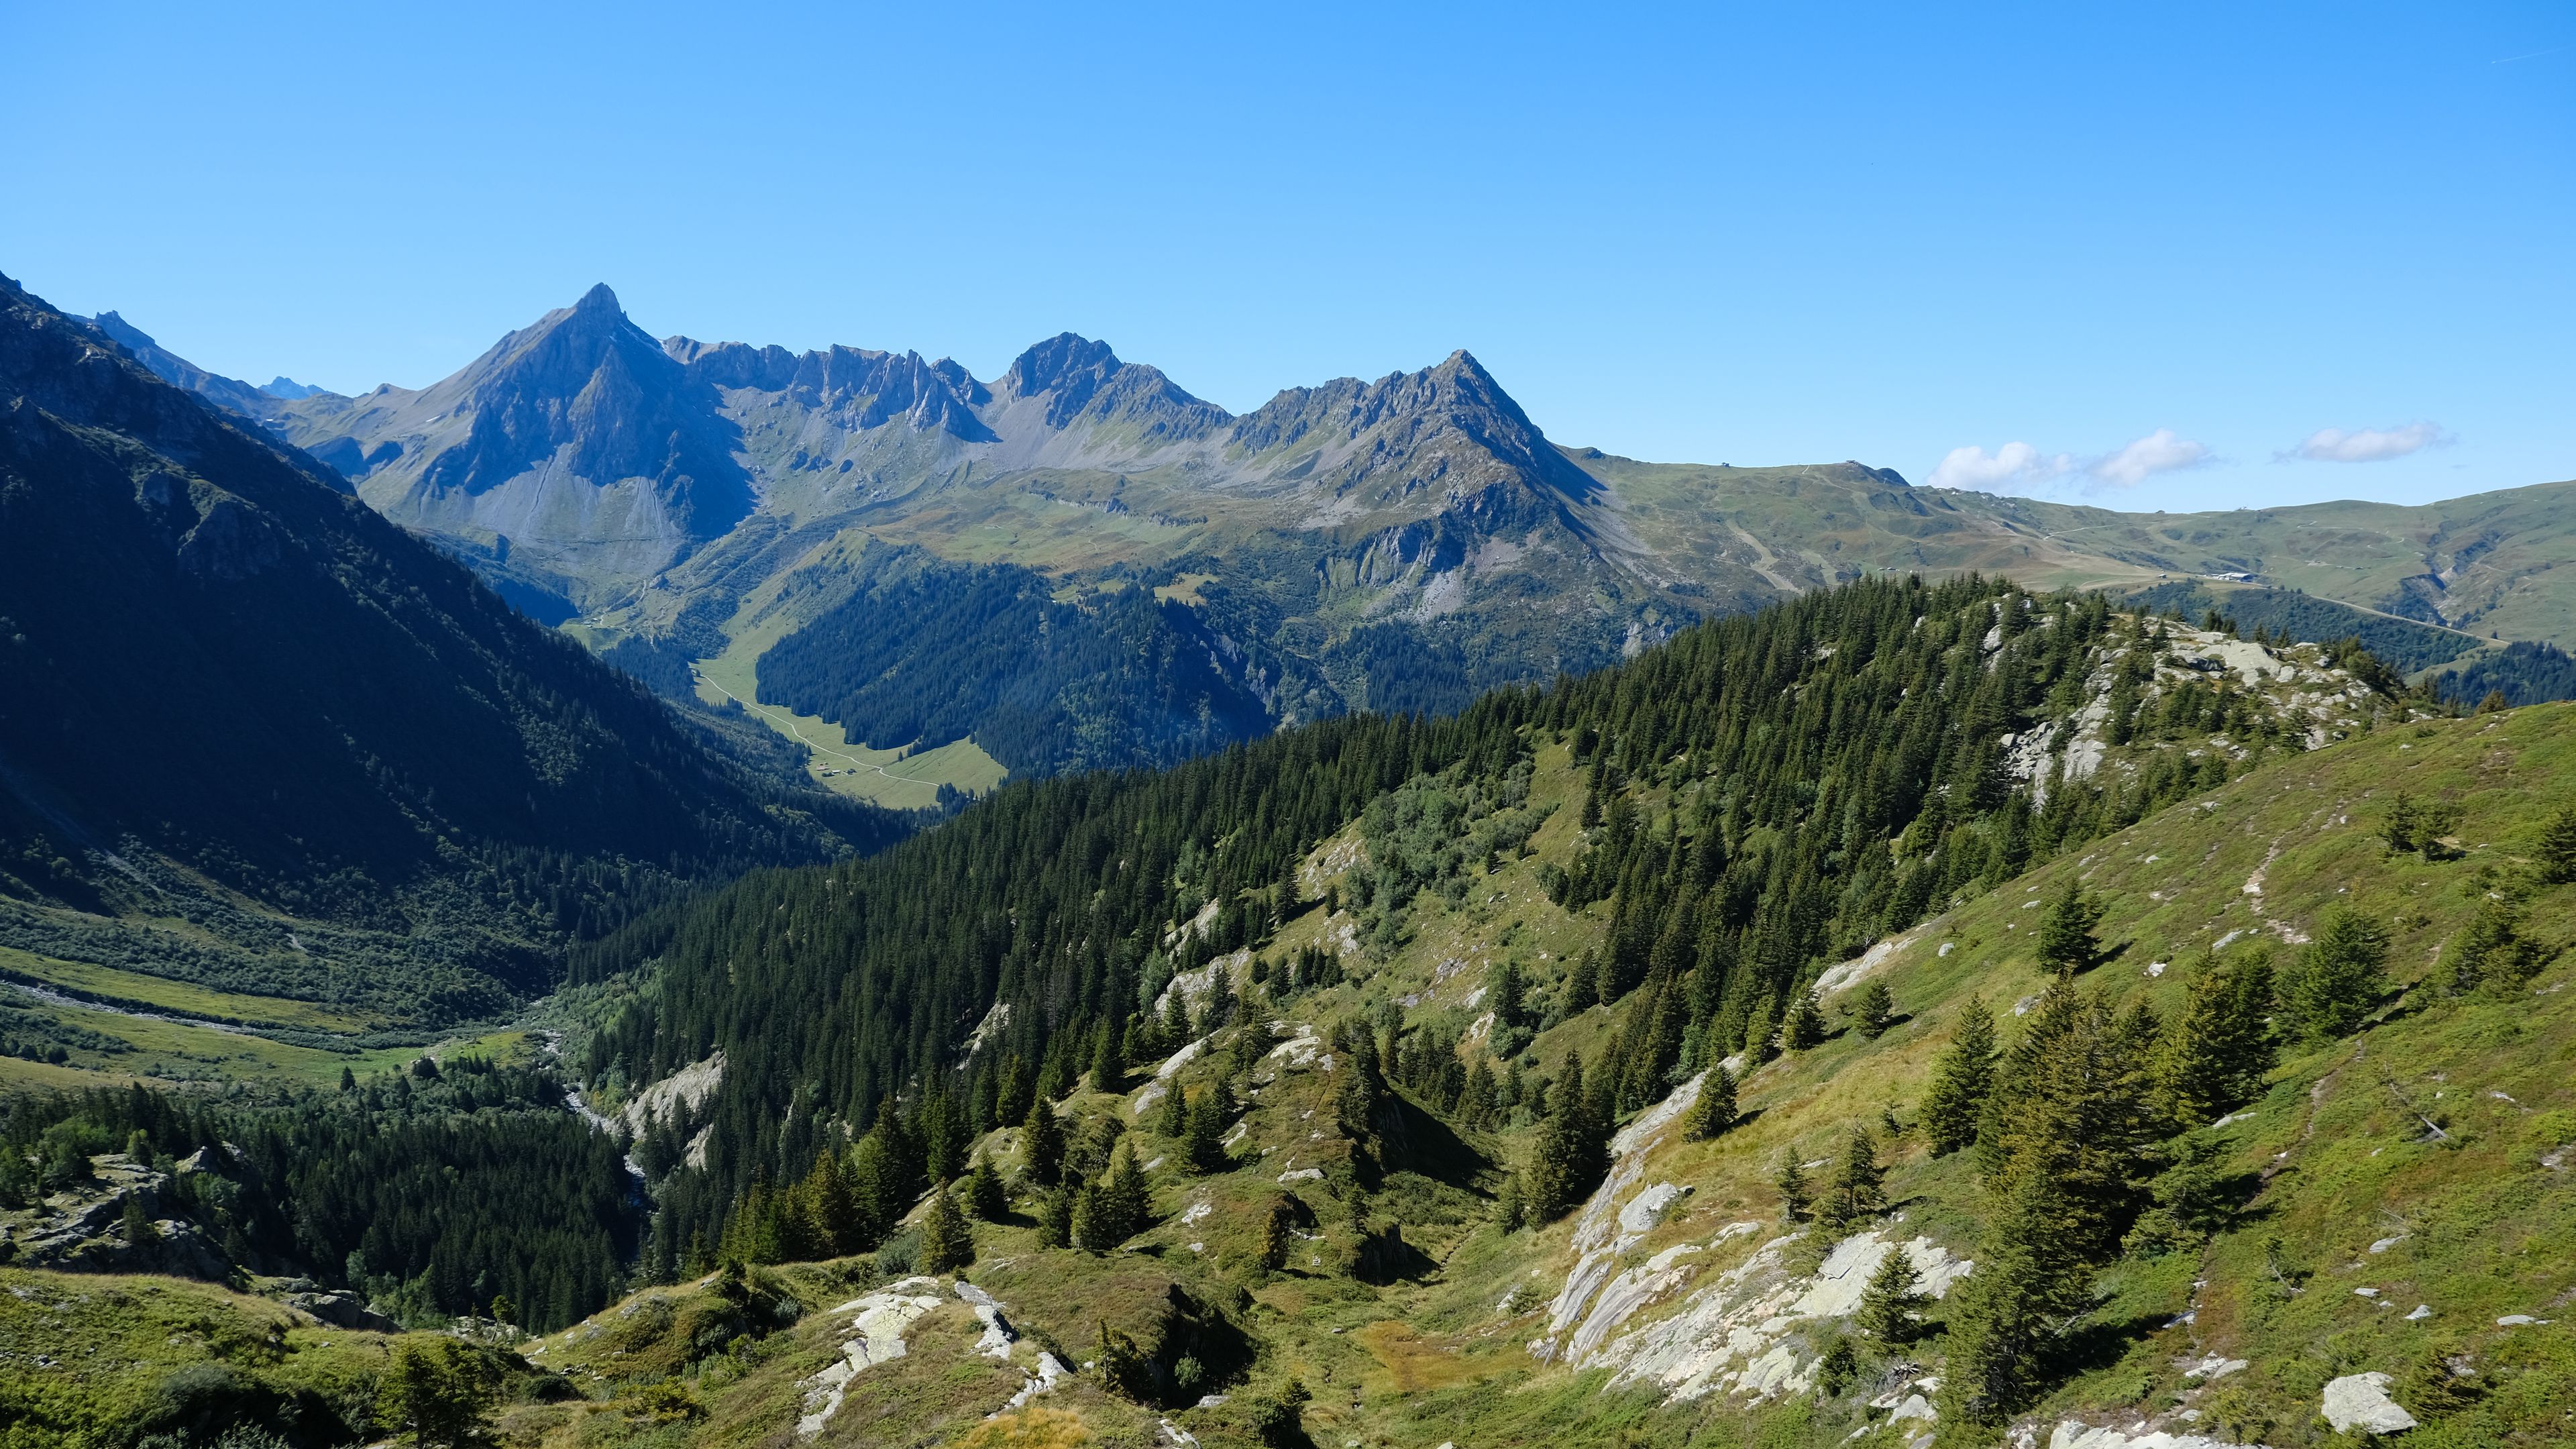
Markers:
point(433, 1191)
point(1770, 794)
point(924, 653)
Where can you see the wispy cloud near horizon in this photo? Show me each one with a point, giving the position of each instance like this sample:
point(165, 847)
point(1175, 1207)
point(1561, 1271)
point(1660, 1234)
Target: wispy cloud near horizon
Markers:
point(2020, 467)
point(2368, 445)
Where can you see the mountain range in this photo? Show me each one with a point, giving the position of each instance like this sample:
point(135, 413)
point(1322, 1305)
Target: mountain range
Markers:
point(690, 509)
point(255, 735)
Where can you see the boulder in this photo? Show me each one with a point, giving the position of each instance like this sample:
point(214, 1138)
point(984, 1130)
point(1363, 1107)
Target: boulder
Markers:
point(2360, 1401)
point(342, 1310)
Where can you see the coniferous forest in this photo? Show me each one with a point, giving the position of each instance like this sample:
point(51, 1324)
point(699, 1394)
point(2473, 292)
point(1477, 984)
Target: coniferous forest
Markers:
point(1773, 792)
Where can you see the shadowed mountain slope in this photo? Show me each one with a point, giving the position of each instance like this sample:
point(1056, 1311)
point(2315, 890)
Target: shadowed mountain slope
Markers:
point(225, 679)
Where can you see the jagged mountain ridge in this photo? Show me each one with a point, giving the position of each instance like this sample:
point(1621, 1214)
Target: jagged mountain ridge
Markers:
point(1397, 543)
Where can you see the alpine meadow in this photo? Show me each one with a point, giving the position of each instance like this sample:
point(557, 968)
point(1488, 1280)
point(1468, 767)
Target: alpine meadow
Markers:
point(888, 885)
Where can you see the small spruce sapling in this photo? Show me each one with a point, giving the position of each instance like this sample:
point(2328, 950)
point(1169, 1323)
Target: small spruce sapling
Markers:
point(1873, 1010)
point(1894, 1295)
point(2066, 939)
point(1962, 1082)
point(1805, 1027)
point(1791, 1180)
point(1715, 1111)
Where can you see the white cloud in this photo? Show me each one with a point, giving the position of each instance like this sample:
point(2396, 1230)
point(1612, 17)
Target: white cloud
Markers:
point(2369, 445)
point(2012, 465)
point(2021, 468)
point(2161, 451)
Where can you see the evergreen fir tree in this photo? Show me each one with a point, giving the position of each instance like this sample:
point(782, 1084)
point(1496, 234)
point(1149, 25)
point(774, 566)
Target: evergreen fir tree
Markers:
point(1055, 1218)
point(1581, 983)
point(1715, 1111)
point(1115, 1208)
point(2555, 858)
point(1203, 1143)
point(1855, 1195)
point(2340, 975)
point(985, 1196)
point(2490, 952)
point(2001, 1319)
point(1572, 1151)
point(837, 1222)
point(1042, 1143)
point(1511, 1212)
point(2399, 827)
point(1791, 1180)
point(1172, 1120)
point(1108, 1066)
point(2066, 939)
point(1893, 1297)
point(2219, 1049)
point(1961, 1082)
point(1805, 1027)
point(947, 1243)
point(1762, 1033)
point(1277, 1236)
point(1873, 1009)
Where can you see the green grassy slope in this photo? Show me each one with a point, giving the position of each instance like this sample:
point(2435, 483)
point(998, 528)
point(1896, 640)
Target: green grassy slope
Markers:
point(1434, 1345)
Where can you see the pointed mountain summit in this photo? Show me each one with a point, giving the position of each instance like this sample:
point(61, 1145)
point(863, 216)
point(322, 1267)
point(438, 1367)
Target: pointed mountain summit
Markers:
point(1084, 384)
point(575, 458)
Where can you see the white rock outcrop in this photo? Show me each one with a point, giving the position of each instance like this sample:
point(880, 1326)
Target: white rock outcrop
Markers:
point(2076, 1434)
point(1740, 1333)
point(2360, 1401)
point(877, 1326)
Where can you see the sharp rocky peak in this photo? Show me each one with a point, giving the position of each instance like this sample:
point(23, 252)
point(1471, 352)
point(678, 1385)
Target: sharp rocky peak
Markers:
point(1084, 382)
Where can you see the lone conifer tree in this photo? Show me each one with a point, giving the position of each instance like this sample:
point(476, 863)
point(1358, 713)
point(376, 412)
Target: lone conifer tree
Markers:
point(1204, 1142)
point(1572, 1150)
point(2556, 857)
point(1791, 1180)
point(1173, 1120)
point(2339, 976)
point(985, 1196)
point(1855, 1195)
point(1893, 1297)
point(2491, 952)
point(1806, 1024)
point(2217, 1052)
point(1762, 1034)
point(1055, 1219)
point(947, 1243)
point(1961, 1082)
point(1873, 1009)
point(1715, 1111)
point(2066, 939)
point(1276, 1236)
point(1042, 1142)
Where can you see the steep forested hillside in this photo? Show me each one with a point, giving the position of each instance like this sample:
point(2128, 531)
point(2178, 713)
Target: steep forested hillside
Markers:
point(922, 654)
point(233, 698)
point(1849, 761)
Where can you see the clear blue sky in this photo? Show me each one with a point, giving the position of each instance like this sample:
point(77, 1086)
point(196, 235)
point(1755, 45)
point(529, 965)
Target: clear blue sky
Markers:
point(2122, 239)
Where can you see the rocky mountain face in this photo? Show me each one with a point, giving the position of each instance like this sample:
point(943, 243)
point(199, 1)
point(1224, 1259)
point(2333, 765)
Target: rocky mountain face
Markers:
point(672, 493)
point(575, 454)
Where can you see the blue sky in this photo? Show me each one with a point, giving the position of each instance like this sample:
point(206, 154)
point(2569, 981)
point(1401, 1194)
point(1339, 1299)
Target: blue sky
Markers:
point(2155, 257)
